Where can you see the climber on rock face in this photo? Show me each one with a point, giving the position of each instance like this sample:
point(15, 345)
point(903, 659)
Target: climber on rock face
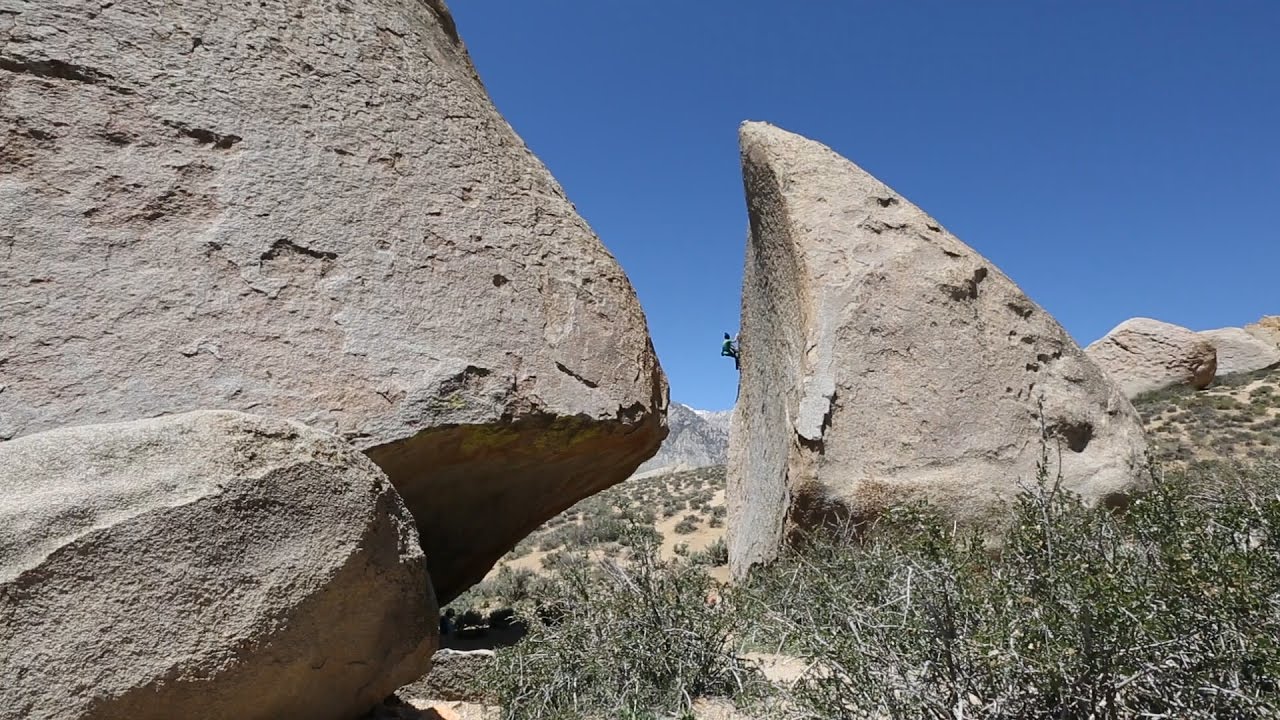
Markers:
point(729, 348)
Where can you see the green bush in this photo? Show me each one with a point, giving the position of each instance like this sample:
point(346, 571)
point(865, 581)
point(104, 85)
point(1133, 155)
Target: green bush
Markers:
point(687, 524)
point(622, 640)
point(718, 553)
point(1172, 611)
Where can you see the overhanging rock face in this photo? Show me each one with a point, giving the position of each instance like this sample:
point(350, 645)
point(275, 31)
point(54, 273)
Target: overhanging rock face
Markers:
point(312, 209)
point(886, 362)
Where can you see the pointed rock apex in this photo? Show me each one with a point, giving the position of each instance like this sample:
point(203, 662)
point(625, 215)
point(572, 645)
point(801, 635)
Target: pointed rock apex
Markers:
point(884, 362)
point(764, 142)
point(753, 134)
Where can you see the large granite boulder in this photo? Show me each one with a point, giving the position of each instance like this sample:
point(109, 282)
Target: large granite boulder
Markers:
point(313, 210)
point(1143, 355)
point(886, 362)
point(1240, 351)
point(206, 565)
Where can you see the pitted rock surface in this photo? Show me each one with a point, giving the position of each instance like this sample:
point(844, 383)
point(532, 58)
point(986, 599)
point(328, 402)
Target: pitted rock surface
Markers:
point(204, 565)
point(311, 209)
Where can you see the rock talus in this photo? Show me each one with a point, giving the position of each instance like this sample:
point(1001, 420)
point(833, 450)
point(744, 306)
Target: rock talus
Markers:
point(456, 676)
point(205, 565)
point(1144, 355)
point(313, 210)
point(884, 362)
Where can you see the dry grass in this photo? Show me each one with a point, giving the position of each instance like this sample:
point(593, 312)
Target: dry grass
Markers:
point(1238, 417)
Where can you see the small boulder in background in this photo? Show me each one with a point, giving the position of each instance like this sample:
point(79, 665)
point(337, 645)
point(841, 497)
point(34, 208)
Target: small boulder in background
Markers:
point(1240, 351)
point(456, 675)
point(1144, 355)
point(1267, 329)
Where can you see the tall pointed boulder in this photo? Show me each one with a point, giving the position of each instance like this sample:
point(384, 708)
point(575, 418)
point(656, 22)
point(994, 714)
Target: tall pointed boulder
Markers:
point(311, 210)
point(884, 362)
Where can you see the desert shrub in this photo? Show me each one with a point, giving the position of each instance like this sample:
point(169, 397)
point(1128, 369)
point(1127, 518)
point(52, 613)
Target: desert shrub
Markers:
point(602, 529)
point(562, 536)
point(1223, 402)
point(622, 640)
point(524, 547)
point(1170, 611)
point(687, 524)
point(509, 586)
point(563, 561)
point(640, 533)
point(502, 618)
point(470, 618)
point(476, 596)
point(717, 516)
point(718, 553)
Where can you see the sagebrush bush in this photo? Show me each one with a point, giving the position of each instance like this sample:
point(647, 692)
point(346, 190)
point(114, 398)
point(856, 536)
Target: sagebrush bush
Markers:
point(1171, 611)
point(622, 640)
point(687, 524)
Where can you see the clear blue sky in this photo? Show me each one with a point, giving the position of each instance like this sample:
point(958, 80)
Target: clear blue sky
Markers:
point(1114, 158)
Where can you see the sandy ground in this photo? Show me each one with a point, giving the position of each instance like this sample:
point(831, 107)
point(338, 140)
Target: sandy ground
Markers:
point(699, 539)
point(1176, 426)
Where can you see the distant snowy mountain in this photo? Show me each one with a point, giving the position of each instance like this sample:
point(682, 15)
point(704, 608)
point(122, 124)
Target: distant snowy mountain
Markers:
point(719, 418)
point(697, 438)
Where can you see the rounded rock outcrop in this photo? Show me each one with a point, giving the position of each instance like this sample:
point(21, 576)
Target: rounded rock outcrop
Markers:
point(1144, 355)
point(1267, 329)
point(206, 565)
point(1239, 351)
